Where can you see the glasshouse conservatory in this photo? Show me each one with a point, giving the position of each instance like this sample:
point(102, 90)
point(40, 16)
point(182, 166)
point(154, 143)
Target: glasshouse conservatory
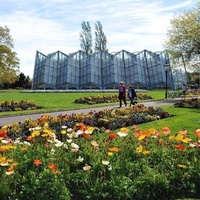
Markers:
point(103, 70)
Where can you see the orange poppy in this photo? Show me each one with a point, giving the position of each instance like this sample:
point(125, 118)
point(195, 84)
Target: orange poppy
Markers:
point(166, 130)
point(37, 162)
point(180, 147)
point(24, 148)
point(29, 138)
point(114, 149)
point(3, 149)
point(57, 171)
point(85, 135)
point(43, 118)
point(113, 135)
point(197, 132)
point(52, 166)
point(3, 133)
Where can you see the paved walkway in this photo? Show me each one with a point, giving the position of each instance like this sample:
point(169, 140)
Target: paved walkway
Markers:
point(21, 118)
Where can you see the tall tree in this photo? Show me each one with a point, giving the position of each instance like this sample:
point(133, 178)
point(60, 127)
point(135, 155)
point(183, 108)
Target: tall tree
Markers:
point(86, 37)
point(9, 63)
point(100, 38)
point(183, 38)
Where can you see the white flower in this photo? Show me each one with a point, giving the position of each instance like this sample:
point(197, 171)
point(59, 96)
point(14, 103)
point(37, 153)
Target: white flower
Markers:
point(17, 142)
point(122, 134)
point(109, 167)
point(80, 159)
point(86, 167)
point(88, 131)
point(70, 135)
point(73, 145)
point(105, 162)
point(69, 141)
point(4, 141)
point(65, 146)
point(52, 151)
point(27, 143)
point(56, 140)
point(192, 145)
point(69, 130)
point(59, 143)
point(75, 135)
point(64, 127)
point(79, 132)
point(34, 129)
point(4, 164)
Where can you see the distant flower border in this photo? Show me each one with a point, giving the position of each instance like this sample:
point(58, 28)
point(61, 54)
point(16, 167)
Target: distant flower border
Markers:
point(7, 106)
point(188, 103)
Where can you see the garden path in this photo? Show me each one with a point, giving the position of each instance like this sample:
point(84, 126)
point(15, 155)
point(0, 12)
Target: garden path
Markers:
point(22, 118)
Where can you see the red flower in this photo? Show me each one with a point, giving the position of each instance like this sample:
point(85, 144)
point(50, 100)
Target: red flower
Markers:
point(3, 133)
point(180, 147)
point(113, 135)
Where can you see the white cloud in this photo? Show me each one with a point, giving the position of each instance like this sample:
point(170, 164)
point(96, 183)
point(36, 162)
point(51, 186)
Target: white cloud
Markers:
point(51, 25)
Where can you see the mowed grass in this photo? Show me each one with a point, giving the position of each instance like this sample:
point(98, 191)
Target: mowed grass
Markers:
point(183, 118)
point(50, 101)
point(57, 101)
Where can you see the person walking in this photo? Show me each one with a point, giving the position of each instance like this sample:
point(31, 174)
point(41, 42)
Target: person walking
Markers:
point(132, 95)
point(184, 90)
point(122, 94)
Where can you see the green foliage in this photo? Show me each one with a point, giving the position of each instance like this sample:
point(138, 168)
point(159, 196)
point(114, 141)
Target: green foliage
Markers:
point(86, 38)
point(100, 38)
point(183, 36)
point(9, 63)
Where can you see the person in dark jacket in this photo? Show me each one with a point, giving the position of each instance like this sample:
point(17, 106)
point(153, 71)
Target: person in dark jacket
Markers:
point(132, 95)
point(122, 94)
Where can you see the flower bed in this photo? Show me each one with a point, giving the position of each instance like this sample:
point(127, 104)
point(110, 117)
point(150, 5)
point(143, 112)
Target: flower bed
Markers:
point(188, 103)
point(78, 156)
point(106, 119)
point(18, 106)
point(107, 99)
point(88, 164)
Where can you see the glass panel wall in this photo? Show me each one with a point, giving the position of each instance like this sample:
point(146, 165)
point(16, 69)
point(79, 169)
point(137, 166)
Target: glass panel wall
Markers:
point(102, 70)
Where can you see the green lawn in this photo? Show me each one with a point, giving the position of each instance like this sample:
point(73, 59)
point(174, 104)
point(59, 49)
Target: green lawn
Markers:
point(56, 101)
point(183, 118)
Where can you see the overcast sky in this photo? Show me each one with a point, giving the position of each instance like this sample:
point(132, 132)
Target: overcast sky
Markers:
point(52, 25)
